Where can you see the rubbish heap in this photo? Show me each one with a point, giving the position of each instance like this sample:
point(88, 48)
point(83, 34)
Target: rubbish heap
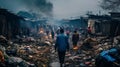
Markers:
point(35, 54)
point(88, 52)
point(41, 53)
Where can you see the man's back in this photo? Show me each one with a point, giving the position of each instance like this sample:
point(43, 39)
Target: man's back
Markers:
point(62, 42)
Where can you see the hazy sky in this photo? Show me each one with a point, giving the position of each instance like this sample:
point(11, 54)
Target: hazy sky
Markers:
point(73, 8)
point(61, 8)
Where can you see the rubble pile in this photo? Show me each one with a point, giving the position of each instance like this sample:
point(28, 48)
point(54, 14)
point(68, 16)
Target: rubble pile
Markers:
point(82, 59)
point(87, 53)
point(26, 55)
point(42, 53)
point(35, 54)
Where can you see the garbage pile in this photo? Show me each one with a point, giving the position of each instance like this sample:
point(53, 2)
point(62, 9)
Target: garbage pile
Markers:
point(41, 53)
point(35, 54)
point(25, 55)
point(108, 58)
point(87, 53)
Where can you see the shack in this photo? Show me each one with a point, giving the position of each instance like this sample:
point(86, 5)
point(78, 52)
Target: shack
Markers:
point(9, 24)
point(115, 23)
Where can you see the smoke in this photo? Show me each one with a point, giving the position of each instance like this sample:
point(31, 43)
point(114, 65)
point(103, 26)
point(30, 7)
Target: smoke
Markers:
point(112, 5)
point(36, 6)
point(39, 6)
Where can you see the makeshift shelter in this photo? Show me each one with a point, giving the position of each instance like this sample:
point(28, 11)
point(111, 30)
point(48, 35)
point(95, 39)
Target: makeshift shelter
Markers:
point(9, 23)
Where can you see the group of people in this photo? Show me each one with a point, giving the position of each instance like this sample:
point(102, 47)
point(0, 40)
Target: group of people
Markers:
point(62, 40)
point(62, 44)
point(62, 37)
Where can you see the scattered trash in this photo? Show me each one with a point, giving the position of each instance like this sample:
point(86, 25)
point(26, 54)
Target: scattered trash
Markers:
point(42, 54)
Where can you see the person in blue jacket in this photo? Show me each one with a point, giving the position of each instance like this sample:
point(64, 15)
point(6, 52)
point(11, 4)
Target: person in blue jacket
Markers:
point(61, 46)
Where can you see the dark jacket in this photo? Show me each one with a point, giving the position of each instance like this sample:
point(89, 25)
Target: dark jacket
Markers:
point(75, 37)
point(62, 42)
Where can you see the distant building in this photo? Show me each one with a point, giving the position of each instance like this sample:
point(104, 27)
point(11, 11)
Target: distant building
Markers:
point(9, 24)
point(80, 23)
point(105, 24)
point(116, 22)
point(99, 24)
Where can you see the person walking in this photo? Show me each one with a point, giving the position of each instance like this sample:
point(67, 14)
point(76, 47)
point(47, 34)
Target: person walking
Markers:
point(75, 38)
point(61, 46)
point(89, 31)
point(53, 34)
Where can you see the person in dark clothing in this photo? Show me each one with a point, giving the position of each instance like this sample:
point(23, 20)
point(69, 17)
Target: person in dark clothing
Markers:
point(89, 31)
point(68, 33)
point(53, 34)
point(61, 46)
point(47, 32)
point(75, 38)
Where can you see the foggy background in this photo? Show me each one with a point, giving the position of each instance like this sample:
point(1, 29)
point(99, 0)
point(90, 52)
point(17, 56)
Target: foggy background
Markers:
point(74, 8)
point(58, 9)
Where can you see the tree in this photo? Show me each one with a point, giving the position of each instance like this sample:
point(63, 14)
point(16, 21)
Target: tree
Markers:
point(113, 5)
